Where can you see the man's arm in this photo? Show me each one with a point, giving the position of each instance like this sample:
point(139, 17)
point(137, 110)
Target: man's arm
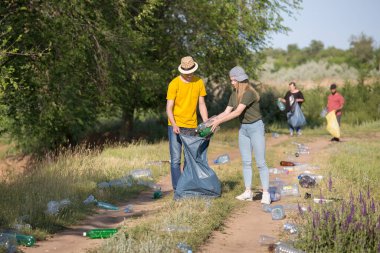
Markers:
point(169, 112)
point(203, 108)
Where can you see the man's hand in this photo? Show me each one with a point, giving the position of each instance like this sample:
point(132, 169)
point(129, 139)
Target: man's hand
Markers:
point(176, 129)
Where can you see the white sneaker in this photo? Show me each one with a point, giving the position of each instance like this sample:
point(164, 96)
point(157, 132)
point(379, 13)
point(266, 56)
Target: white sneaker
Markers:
point(247, 196)
point(266, 198)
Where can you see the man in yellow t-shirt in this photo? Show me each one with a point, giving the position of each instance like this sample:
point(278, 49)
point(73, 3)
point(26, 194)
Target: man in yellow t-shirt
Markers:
point(185, 92)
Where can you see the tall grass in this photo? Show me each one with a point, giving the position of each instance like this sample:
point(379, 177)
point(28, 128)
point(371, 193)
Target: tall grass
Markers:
point(351, 223)
point(73, 176)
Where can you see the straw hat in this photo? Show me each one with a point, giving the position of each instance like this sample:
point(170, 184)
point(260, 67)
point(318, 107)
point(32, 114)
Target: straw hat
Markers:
point(188, 65)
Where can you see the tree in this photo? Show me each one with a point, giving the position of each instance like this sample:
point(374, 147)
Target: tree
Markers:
point(362, 55)
point(117, 57)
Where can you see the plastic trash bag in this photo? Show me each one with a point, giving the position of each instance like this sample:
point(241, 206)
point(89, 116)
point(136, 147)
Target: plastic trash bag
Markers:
point(323, 112)
point(332, 124)
point(296, 117)
point(198, 179)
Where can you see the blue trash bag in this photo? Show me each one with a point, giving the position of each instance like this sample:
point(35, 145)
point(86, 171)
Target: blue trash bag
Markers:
point(198, 179)
point(296, 117)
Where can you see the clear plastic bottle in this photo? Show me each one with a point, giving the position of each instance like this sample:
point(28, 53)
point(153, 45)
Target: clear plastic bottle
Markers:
point(280, 105)
point(100, 233)
point(106, 205)
point(290, 190)
point(138, 173)
point(278, 212)
point(275, 194)
point(184, 248)
point(286, 248)
point(267, 240)
point(225, 158)
point(21, 239)
point(8, 242)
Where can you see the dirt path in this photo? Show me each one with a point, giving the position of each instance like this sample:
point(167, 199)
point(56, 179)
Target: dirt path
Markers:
point(242, 230)
point(73, 241)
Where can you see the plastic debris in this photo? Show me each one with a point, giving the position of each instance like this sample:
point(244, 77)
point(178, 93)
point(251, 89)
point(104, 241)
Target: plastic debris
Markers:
point(267, 240)
point(278, 212)
point(139, 173)
point(53, 207)
point(90, 199)
point(128, 208)
point(177, 228)
point(282, 247)
point(292, 228)
point(222, 159)
point(184, 248)
point(322, 201)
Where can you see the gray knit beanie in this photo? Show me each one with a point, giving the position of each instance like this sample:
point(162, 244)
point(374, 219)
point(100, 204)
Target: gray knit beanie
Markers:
point(238, 74)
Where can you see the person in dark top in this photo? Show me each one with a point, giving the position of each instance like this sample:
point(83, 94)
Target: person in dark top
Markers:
point(244, 103)
point(292, 96)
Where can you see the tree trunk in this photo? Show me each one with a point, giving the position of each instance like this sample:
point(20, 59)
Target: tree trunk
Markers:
point(126, 124)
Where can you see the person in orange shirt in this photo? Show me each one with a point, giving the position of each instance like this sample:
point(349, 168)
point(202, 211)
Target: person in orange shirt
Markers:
point(185, 92)
point(335, 101)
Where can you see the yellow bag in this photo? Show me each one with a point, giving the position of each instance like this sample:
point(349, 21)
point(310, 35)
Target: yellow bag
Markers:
point(332, 124)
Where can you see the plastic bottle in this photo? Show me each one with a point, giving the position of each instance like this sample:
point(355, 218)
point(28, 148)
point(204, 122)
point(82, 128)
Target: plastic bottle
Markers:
point(157, 194)
point(100, 233)
point(8, 242)
point(275, 135)
point(278, 212)
point(267, 208)
point(222, 159)
point(306, 181)
point(128, 209)
point(107, 206)
point(280, 105)
point(291, 228)
point(267, 240)
point(138, 173)
point(184, 248)
point(286, 248)
point(290, 190)
point(21, 239)
point(275, 194)
point(278, 171)
point(287, 163)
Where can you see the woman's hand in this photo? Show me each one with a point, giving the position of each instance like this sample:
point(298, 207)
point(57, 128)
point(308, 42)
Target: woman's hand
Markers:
point(214, 125)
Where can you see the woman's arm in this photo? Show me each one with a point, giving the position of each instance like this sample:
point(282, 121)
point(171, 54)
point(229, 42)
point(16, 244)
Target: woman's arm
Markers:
point(223, 117)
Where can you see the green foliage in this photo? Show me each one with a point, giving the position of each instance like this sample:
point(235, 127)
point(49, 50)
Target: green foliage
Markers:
point(115, 58)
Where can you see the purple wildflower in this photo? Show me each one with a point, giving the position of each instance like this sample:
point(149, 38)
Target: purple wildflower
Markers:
point(360, 196)
point(351, 197)
point(316, 219)
point(327, 215)
point(330, 183)
point(343, 206)
point(300, 209)
point(373, 207)
point(364, 208)
point(358, 227)
point(333, 218)
point(368, 193)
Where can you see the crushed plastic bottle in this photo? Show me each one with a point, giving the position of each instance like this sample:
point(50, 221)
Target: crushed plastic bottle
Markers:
point(290, 190)
point(292, 228)
point(139, 173)
point(267, 208)
point(100, 233)
point(306, 181)
point(316, 177)
point(275, 135)
point(322, 201)
point(177, 228)
point(278, 212)
point(90, 199)
point(267, 240)
point(8, 242)
point(184, 248)
point(204, 128)
point(128, 208)
point(275, 194)
point(222, 159)
point(105, 205)
point(282, 247)
point(53, 207)
point(21, 239)
point(278, 171)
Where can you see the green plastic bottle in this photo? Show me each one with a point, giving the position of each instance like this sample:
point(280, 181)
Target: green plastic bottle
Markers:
point(26, 240)
point(100, 233)
point(21, 239)
point(157, 194)
point(205, 132)
point(106, 205)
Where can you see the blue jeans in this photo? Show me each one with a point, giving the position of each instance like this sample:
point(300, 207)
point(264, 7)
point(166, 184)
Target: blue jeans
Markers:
point(175, 148)
point(252, 138)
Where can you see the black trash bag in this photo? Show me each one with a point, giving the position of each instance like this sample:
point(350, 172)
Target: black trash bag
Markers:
point(198, 179)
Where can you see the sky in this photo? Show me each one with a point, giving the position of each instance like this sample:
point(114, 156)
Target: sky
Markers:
point(331, 21)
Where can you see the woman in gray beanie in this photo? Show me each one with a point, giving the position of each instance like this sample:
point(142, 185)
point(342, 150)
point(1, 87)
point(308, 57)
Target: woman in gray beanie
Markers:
point(244, 103)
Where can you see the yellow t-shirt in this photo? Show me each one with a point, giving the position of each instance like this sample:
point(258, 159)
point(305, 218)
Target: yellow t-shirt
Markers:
point(185, 96)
